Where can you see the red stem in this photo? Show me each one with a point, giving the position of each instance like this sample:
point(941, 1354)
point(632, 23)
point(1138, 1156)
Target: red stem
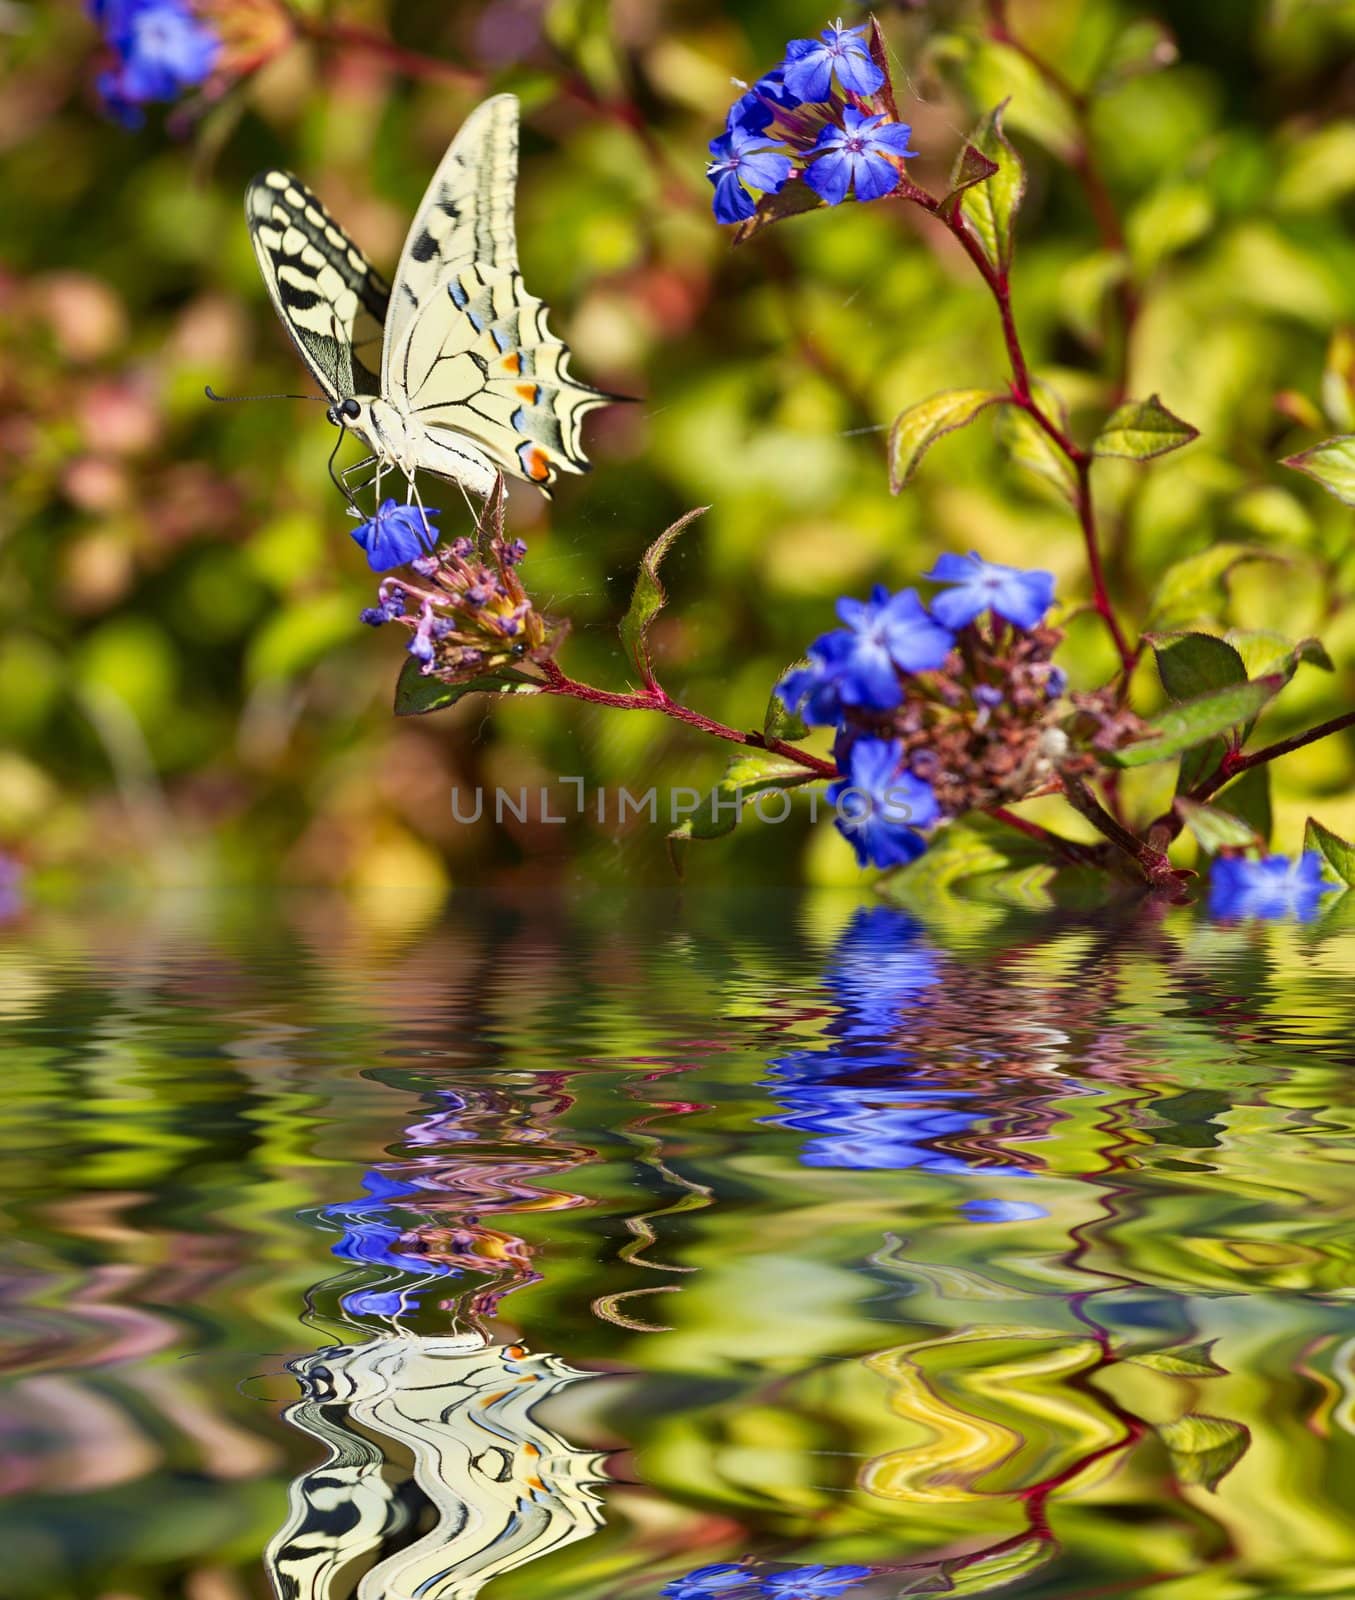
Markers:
point(657, 699)
point(1234, 762)
point(413, 63)
point(1022, 394)
point(1083, 162)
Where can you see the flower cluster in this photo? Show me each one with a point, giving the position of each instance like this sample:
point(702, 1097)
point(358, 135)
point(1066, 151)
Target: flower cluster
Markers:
point(1271, 889)
point(466, 609)
point(940, 709)
point(160, 48)
point(727, 1581)
point(824, 116)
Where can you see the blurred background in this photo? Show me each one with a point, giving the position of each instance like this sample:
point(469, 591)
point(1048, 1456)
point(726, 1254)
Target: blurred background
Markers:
point(186, 695)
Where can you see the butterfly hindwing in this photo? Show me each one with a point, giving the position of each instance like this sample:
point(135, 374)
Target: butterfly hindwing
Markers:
point(331, 300)
point(482, 363)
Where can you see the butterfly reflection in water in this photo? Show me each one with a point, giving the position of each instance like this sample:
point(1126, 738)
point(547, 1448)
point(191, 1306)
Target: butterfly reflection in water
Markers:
point(440, 1474)
point(453, 371)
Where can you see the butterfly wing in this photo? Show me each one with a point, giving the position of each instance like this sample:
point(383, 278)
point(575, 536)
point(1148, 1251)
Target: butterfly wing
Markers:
point(467, 348)
point(465, 216)
point(331, 300)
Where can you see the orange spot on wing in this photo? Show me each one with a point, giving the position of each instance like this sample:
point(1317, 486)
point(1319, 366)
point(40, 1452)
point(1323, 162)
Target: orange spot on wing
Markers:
point(512, 362)
point(538, 468)
point(528, 392)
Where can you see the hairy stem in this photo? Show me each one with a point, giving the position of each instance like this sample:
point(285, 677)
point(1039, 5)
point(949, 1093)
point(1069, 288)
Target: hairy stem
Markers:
point(657, 699)
point(1235, 762)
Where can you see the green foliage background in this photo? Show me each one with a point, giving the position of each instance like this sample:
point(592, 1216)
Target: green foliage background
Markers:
point(187, 695)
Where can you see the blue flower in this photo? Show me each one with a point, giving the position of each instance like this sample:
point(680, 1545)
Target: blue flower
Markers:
point(740, 158)
point(881, 808)
point(860, 155)
point(707, 1582)
point(884, 636)
point(813, 689)
point(812, 1583)
point(390, 603)
point(1002, 1210)
point(161, 48)
point(1271, 888)
point(395, 535)
point(756, 108)
point(810, 64)
point(976, 585)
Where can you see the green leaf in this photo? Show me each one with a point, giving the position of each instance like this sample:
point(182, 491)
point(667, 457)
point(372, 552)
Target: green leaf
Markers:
point(1084, 288)
point(920, 426)
point(780, 722)
point(416, 695)
point(971, 167)
point(1204, 1450)
point(1215, 828)
point(1183, 1361)
point(1192, 664)
point(1143, 429)
point(1333, 849)
point(749, 774)
point(1144, 46)
point(989, 205)
point(649, 597)
point(1168, 220)
point(1184, 726)
point(1030, 446)
point(1332, 464)
point(1264, 651)
point(1196, 586)
point(988, 69)
point(788, 201)
point(1248, 797)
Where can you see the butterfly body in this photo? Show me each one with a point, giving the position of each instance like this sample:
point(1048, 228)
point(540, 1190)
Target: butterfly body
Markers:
point(453, 370)
point(398, 443)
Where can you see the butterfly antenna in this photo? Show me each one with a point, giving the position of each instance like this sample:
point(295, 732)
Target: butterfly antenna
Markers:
point(238, 399)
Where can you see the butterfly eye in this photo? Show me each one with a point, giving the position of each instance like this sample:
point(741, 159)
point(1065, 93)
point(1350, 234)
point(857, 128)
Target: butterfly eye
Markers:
point(351, 409)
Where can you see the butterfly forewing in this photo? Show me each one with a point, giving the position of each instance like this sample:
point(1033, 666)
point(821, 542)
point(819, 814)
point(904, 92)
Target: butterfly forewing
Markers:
point(465, 216)
point(330, 298)
point(467, 347)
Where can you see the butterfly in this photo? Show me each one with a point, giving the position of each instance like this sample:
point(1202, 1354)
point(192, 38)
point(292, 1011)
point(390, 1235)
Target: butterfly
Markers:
point(453, 371)
point(440, 1475)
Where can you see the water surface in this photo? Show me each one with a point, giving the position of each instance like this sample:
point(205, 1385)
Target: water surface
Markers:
point(546, 1250)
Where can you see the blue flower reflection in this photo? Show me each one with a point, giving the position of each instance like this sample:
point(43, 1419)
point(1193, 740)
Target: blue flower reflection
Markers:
point(381, 1229)
point(866, 1102)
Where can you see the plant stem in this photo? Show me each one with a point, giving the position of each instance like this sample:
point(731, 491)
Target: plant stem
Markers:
point(1068, 850)
point(998, 281)
point(1082, 159)
point(657, 699)
point(413, 63)
point(1152, 864)
point(1235, 762)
